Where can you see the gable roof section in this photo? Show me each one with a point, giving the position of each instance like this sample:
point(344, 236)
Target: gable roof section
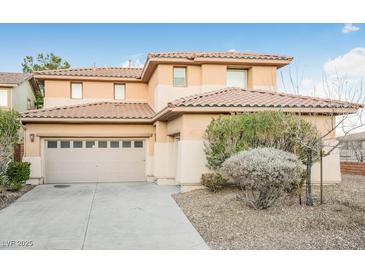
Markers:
point(13, 78)
point(237, 97)
point(94, 111)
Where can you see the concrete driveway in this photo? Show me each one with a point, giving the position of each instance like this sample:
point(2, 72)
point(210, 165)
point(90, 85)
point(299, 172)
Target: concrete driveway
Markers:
point(98, 216)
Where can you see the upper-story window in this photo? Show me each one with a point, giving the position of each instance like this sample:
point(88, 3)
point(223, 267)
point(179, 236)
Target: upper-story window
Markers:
point(3, 97)
point(237, 78)
point(119, 91)
point(76, 90)
point(179, 77)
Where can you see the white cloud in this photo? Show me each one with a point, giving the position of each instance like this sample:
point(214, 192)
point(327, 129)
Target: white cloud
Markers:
point(349, 27)
point(342, 79)
point(351, 64)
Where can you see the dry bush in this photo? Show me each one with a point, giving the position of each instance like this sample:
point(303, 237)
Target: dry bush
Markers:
point(264, 174)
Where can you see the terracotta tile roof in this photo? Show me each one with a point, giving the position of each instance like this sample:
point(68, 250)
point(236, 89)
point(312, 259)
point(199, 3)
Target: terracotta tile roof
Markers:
point(136, 73)
point(121, 72)
point(235, 55)
point(13, 78)
point(99, 110)
point(237, 97)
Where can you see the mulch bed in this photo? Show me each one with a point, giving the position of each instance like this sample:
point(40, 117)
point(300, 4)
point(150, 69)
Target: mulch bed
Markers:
point(7, 197)
point(226, 223)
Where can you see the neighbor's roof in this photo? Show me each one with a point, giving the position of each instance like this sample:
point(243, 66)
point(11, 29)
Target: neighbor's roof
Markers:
point(237, 97)
point(13, 78)
point(99, 110)
point(228, 54)
point(118, 72)
point(353, 137)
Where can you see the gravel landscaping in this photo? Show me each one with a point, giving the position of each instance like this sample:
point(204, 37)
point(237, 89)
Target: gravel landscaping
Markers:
point(226, 223)
point(7, 197)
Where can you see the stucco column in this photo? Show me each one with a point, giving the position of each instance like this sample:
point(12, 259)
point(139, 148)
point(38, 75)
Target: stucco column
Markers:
point(191, 159)
point(32, 155)
point(164, 156)
point(150, 158)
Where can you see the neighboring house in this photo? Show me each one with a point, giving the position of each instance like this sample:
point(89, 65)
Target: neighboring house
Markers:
point(17, 91)
point(352, 147)
point(117, 124)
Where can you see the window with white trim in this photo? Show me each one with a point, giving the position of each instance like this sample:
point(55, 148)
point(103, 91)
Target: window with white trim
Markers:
point(76, 90)
point(90, 144)
point(52, 144)
point(3, 97)
point(114, 144)
point(138, 144)
point(77, 144)
point(102, 144)
point(119, 91)
point(126, 144)
point(179, 77)
point(65, 144)
point(237, 78)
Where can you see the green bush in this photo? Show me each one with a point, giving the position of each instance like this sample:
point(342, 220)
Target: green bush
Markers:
point(213, 181)
point(9, 128)
point(230, 134)
point(17, 173)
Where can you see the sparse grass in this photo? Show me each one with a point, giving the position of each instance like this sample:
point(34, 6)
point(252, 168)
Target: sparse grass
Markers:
point(225, 223)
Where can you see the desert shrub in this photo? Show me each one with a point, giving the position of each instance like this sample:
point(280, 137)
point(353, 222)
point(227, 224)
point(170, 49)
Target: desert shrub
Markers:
point(214, 181)
point(9, 128)
point(16, 175)
point(264, 174)
point(230, 134)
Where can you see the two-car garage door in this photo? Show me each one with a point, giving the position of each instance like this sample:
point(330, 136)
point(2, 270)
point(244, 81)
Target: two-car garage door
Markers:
point(82, 161)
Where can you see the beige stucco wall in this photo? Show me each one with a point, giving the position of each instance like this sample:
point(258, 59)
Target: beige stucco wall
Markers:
point(323, 123)
point(20, 96)
point(190, 157)
point(58, 92)
point(175, 149)
point(203, 78)
point(262, 77)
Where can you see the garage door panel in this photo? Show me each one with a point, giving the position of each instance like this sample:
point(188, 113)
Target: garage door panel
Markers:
point(68, 165)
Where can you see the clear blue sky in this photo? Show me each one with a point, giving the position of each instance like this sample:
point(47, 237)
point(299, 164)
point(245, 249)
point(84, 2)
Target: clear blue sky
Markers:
point(112, 44)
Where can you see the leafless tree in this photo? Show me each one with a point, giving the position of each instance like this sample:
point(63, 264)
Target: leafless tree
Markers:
point(345, 101)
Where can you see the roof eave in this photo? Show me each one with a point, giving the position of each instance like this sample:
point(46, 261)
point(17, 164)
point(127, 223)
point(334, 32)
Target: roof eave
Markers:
point(26, 120)
point(8, 85)
point(91, 78)
point(171, 111)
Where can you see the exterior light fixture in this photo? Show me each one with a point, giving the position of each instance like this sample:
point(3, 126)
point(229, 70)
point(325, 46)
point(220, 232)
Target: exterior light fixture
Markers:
point(31, 137)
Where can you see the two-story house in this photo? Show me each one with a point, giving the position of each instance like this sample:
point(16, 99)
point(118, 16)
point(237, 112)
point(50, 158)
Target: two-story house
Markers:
point(117, 124)
point(17, 91)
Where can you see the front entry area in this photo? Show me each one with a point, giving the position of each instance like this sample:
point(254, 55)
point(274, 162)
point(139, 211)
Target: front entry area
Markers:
point(99, 160)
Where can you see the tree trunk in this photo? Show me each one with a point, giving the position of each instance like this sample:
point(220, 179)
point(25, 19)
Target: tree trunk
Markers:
point(309, 199)
point(321, 174)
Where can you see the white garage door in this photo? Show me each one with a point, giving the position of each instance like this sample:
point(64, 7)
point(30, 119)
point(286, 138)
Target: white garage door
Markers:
point(82, 161)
